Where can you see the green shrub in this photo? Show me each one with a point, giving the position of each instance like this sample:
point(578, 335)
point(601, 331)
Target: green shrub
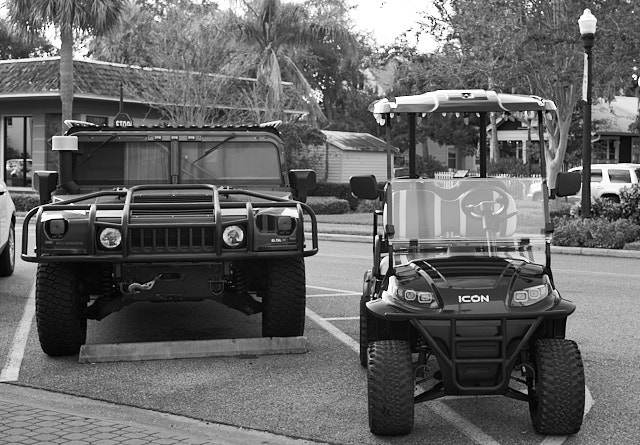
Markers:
point(340, 191)
point(368, 206)
point(595, 232)
point(630, 203)
point(328, 205)
point(25, 201)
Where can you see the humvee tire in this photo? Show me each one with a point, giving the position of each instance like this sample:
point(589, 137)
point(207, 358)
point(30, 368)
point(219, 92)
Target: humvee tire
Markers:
point(60, 309)
point(558, 404)
point(390, 384)
point(283, 313)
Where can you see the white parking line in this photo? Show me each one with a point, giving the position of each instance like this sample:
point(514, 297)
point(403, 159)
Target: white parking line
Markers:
point(341, 318)
point(441, 409)
point(11, 370)
point(335, 292)
point(331, 329)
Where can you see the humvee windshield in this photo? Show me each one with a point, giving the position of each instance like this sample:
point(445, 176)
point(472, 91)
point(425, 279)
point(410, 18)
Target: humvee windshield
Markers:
point(469, 216)
point(119, 161)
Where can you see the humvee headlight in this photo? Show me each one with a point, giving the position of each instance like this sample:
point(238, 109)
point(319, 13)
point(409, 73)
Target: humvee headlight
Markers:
point(532, 295)
point(110, 238)
point(56, 228)
point(233, 236)
point(285, 225)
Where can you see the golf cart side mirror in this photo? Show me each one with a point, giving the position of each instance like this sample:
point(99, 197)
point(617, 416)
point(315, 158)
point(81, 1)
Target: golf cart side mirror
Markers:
point(302, 182)
point(364, 187)
point(45, 183)
point(568, 184)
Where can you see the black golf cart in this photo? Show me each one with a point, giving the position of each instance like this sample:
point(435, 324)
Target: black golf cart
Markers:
point(461, 298)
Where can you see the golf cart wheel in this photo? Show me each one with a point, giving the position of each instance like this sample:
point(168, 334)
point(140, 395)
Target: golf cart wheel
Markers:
point(390, 388)
point(284, 304)
point(558, 403)
point(364, 339)
point(60, 309)
point(8, 255)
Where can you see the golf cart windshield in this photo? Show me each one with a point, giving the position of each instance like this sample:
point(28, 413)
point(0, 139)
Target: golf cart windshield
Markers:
point(468, 216)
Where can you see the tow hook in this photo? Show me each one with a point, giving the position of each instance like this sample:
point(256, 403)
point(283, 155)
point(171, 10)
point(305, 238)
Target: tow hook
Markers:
point(136, 288)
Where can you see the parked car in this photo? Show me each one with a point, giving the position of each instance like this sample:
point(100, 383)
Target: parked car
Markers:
point(169, 214)
point(14, 172)
point(607, 180)
point(7, 232)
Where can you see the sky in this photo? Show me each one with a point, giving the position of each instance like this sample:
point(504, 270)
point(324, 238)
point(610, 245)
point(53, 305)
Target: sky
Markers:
point(386, 20)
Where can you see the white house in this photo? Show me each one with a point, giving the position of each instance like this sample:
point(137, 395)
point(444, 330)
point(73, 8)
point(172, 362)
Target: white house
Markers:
point(346, 154)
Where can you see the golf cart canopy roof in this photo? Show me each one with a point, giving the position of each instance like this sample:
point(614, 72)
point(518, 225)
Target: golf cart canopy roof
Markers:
point(462, 101)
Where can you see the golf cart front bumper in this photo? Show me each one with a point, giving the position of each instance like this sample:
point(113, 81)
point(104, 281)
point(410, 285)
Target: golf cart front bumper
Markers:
point(477, 352)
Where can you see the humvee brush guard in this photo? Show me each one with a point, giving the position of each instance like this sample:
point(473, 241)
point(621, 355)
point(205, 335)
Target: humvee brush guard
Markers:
point(461, 298)
point(168, 214)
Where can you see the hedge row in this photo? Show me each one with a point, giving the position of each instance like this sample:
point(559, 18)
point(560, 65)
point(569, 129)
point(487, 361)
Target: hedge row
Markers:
point(594, 232)
point(328, 205)
point(25, 201)
point(340, 191)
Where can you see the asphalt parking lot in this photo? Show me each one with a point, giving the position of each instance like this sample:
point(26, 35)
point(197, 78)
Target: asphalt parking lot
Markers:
point(320, 396)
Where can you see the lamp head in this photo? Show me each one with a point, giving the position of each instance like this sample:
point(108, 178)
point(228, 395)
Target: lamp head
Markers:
point(587, 22)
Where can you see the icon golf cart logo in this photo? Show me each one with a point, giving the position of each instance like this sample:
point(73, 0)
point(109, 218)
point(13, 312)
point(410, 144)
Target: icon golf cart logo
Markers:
point(473, 298)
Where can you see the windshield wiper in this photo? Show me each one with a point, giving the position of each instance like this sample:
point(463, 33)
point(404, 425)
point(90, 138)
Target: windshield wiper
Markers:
point(93, 153)
point(208, 152)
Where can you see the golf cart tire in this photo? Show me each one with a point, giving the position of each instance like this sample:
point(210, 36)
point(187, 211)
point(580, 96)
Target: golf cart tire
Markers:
point(283, 314)
point(364, 339)
point(60, 309)
point(8, 255)
point(390, 388)
point(558, 406)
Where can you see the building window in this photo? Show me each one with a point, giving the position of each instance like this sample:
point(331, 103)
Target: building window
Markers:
point(100, 121)
point(451, 160)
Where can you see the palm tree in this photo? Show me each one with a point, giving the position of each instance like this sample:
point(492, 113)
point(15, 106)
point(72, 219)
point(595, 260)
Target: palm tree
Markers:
point(67, 16)
point(277, 29)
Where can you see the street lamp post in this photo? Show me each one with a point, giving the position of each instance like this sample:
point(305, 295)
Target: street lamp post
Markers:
point(587, 23)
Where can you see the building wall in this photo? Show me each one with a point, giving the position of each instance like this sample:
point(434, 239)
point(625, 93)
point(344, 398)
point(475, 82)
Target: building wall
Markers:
point(39, 107)
point(346, 163)
point(363, 163)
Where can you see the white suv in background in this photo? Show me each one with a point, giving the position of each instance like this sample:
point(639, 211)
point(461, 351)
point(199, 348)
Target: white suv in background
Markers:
point(607, 180)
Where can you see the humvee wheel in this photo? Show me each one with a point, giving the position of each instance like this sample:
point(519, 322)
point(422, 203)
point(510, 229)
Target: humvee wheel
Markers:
point(558, 404)
point(60, 309)
point(283, 313)
point(390, 388)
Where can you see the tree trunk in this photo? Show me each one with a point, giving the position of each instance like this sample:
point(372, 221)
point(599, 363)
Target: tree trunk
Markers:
point(66, 74)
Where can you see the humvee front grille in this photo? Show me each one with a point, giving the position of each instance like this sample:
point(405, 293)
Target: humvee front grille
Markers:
point(172, 240)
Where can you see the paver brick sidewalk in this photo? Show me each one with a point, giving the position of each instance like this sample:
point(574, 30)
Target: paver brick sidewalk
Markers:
point(32, 417)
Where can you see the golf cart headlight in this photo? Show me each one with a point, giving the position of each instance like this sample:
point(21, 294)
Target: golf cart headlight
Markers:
point(233, 236)
point(395, 294)
point(110, 238)
point(532, 295)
